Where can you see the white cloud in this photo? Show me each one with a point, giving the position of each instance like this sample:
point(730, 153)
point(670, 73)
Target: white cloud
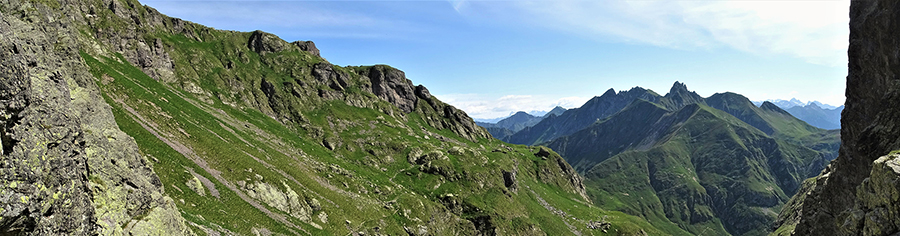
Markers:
point(485, 106)
point(815, 31)
point(515, 97)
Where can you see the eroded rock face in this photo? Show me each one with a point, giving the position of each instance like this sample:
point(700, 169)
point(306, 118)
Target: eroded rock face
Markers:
point(66, 168)
point(325, 73)
point(869, 127)
point(39, 141)
point(307, 46)
point(391, 85)
point(262, 42)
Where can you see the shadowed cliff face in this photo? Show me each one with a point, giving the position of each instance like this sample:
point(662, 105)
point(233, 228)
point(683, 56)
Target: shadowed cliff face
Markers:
point(839, 200)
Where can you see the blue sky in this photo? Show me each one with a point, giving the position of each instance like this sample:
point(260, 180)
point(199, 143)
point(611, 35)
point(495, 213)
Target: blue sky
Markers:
point(491, 58)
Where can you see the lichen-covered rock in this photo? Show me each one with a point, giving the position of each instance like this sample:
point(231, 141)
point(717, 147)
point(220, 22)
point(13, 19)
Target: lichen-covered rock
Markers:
point(195, 185)
point(877, 211)
point(287, 200)
point(66, 167)
point(43, 168)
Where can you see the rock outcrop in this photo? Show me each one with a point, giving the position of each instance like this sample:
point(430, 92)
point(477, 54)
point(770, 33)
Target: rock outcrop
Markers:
point(844, 198)
point(391, 85)
point(262, 42)
point(878, 201)
point(307, 46)
point(66, 167)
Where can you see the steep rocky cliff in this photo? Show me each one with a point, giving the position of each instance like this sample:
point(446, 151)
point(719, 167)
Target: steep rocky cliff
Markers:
point(857, 193)
point(66, 167)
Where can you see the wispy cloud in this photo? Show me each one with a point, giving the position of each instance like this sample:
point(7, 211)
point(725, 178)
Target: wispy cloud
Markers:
point(457, 4)
point(485, 106)
point(815, 31)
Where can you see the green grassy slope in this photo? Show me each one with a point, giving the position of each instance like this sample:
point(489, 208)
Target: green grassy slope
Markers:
point(279, 141)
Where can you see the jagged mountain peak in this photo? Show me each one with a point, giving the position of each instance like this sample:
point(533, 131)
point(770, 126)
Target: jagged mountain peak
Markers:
point(679, 96)
point(609, 92)
point(636, 90)
point(678, 87)
point(814, 105)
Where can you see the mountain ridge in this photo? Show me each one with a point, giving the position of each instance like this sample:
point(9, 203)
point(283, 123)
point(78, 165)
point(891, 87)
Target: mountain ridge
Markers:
point(814, 112)
point(794, 102)
point(726, 143)
point(572, 120)
point(516, 122)
point(817, 116)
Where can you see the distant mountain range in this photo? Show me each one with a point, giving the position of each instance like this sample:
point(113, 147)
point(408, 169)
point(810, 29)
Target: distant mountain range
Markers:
point(718, 165)
point(815, 113)
point(558, 110)
point(785, 104)
point(599, 108)
point(818, 116)
point(517, 122)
